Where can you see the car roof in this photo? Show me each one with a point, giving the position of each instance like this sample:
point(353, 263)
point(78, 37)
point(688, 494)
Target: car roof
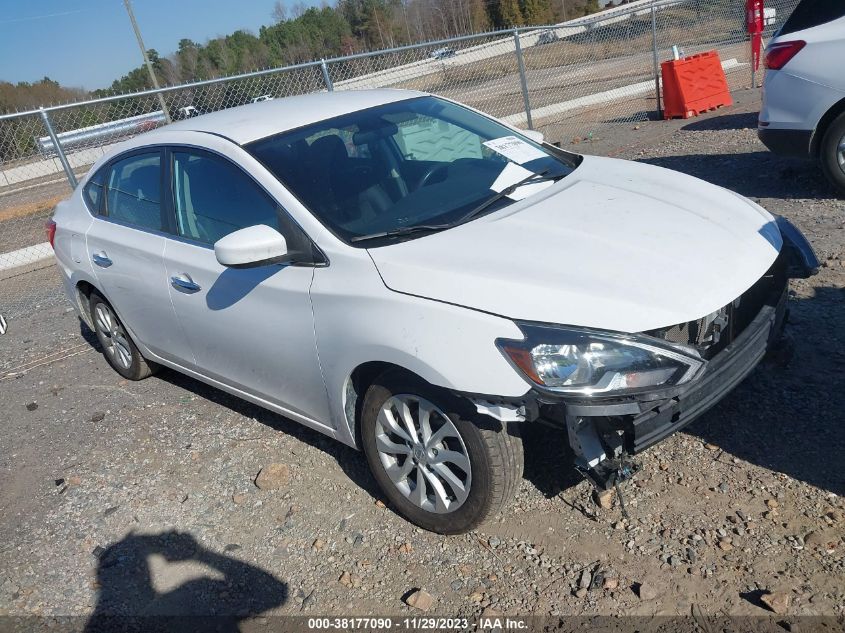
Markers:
point(253, 121)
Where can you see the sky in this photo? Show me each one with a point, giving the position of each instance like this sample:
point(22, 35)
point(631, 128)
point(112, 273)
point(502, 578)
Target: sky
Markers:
point(90, 43)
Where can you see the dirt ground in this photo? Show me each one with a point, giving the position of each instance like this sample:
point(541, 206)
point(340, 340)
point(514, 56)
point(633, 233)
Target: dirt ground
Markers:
point(139, 498)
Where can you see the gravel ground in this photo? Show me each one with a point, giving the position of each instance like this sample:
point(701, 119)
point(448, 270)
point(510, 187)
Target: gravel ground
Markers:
point(139, 498)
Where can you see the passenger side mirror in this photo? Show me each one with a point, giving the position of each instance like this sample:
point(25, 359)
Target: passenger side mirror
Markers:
point(250, 247)
point(534, 135)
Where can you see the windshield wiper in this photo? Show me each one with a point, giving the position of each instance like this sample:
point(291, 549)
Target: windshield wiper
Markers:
point(428, 228)
point(402, 231)
point(538, 177)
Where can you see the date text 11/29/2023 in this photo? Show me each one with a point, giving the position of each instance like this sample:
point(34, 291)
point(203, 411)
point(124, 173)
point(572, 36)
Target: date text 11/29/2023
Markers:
point(492, 623)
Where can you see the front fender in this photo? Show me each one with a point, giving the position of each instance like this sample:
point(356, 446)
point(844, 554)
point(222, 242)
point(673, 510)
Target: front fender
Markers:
point(357, 320)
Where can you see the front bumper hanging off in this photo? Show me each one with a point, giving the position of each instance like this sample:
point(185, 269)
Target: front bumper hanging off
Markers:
point(605, 432)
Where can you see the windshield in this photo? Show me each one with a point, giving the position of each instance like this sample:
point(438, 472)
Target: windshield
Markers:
point(398, 170)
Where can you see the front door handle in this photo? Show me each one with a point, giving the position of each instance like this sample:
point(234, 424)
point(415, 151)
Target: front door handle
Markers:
point(184, 283)
point(101, 259)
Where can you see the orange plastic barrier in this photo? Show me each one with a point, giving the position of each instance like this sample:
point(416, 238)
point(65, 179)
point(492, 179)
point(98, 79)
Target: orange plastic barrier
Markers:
point(694, 85)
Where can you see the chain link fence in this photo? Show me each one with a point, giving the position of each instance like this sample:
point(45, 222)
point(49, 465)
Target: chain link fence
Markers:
point(571, 81)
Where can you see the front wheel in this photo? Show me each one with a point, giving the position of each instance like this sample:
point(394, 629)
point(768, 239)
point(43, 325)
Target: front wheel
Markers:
point(443, 470)
point(832, 153)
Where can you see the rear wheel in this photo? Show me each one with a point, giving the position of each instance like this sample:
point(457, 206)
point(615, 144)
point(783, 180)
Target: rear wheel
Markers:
point(832, 153)
point(118, 348)
point(443, 470)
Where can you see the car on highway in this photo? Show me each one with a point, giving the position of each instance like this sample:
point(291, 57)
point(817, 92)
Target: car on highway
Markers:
point(419, 280)
point(443, 53)
point(803, 111)
point(547, 37)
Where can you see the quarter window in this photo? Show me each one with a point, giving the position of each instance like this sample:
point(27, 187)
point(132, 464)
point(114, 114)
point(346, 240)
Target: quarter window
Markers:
point(94, 191)
point(214, 198)
point(133, 192)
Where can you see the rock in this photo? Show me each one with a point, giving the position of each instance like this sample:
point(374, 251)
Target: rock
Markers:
point(380, 504)
point(345, 579)
point(493, 542)
point(586, 579)
point(239, 498)
point(777, 601)
point(647, 591)
point(610, 583)
point(581, 593)
point(711, 447)
point(318, 544)
point(405, 548)
point(98, 416)
point(32, 406)
point(420, 599)
point(817, 539)
point(604, 498)
point(273, 477)
point(456, 585)
point(771, 504)
point(476, 596)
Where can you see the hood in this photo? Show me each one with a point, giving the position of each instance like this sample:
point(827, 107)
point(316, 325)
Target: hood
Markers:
point(615, 245)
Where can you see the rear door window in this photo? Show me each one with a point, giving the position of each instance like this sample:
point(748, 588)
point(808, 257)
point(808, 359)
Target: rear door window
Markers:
point(812, 13)
point(133, 191)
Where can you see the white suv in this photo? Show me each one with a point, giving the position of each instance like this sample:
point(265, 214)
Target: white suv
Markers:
point(803, 111)
point(411, 277)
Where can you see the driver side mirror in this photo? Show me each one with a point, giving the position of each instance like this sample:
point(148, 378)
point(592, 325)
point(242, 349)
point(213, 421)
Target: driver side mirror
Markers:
point(253, 246)
point(534, 135)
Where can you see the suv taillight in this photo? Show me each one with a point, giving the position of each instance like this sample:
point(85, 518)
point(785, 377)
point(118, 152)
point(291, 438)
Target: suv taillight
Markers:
point(50, 229)
point(779, 54)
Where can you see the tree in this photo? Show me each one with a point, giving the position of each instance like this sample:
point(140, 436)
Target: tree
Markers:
point(508, 14)
point(536, 11)
point(592, 6)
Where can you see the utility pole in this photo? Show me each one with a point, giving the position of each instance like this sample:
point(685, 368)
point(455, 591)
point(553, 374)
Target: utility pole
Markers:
point(563, 9)
point(128, 5)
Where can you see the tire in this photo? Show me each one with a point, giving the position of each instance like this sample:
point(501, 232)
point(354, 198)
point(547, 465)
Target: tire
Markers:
point(466, 497)
point(832, 153)
point(118, 348)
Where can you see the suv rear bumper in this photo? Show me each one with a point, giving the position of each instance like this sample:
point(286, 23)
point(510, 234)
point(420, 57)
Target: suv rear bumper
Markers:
point(787, 142)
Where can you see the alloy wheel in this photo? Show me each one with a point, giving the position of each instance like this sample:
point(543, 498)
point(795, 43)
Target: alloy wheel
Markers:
point(112, 336)
point(423, 453)
point(840, 155)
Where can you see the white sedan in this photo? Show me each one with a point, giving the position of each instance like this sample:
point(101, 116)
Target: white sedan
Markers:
point(419, 280)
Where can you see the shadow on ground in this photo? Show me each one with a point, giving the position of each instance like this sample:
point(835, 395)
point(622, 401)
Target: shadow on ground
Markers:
point(735, 121)
point(753, 174)
point(760, 174)
point(163, 582)
point(791, 419)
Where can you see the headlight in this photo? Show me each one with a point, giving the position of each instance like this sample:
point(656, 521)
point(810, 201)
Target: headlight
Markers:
point(582, 362)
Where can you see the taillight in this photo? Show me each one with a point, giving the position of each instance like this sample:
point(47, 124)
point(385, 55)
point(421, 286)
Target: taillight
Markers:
point(778, 55)
point(50, 229)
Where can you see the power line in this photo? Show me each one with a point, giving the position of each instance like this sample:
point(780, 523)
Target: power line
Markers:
point(46, 15)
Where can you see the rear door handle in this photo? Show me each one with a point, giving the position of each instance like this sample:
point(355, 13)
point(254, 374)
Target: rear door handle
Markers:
point(184, 283)
point(101, 259)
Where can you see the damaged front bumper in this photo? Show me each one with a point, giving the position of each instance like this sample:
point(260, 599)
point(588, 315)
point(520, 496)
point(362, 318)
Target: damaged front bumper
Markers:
point(604, 432)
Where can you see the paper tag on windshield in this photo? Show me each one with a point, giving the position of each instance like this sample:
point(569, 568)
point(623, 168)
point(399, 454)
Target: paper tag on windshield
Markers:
point(515, 149)
point(511, 175)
